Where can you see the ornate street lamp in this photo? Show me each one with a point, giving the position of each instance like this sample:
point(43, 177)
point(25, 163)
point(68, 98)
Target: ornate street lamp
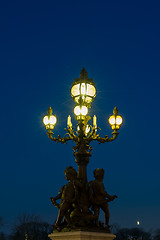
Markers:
point(83, 92)
point(49, 120)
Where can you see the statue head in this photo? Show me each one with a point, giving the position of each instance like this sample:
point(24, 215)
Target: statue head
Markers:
point(70, 173)
point(99, 174)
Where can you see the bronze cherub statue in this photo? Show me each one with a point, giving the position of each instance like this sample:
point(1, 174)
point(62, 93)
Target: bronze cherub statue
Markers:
point(68, 195)
point(99, 197)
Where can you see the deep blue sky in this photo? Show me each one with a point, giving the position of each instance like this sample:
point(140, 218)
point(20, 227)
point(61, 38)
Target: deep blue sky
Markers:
point(43, 47)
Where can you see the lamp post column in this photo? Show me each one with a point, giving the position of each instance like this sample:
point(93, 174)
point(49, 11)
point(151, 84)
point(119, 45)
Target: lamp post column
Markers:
point(82, 159)
point(82, 154)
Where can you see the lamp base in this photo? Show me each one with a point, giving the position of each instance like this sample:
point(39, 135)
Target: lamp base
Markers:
point(79, 235)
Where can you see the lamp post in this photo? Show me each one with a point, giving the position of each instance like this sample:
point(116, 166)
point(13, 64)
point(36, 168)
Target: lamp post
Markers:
point(83, 92)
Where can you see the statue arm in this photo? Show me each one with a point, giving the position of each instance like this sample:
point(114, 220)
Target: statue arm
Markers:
point(110, 197)
point(57, 197)
point(53, 199)
point(106, 195)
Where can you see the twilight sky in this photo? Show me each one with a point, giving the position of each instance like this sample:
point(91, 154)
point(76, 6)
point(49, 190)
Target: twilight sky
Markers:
point(43, 47)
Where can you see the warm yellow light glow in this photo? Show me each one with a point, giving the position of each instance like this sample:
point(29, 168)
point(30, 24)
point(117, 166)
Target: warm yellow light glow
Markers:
point(80, 110)
point(69, 123)
point(49, 121)
point(112, 120)
point(91, 91)
point(45, 120)
point(138, 223)
point(75, 91)
point(87, 130)
point(52, 120)
point(88, 99)
point(119, 120)
point(50, 126)
point(77, 110)
point(84, 110)
point(94, 121)
point(83, 88)
point(77, 99)
point(115, 121)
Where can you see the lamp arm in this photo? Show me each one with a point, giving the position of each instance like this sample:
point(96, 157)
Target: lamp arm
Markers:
point(114, 136)
point(58, 138)
point(71, 133)
point(106, 138)
point(90, 135)
point(93, 135)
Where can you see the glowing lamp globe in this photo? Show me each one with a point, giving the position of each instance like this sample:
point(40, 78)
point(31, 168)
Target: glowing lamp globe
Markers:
point(49, 120)
point(80, 110)
point(115, 120)
point(83, 89)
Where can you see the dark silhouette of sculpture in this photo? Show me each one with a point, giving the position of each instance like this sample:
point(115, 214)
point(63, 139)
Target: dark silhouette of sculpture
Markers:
point(74, 209)
point(68, 195)
point(99, 197)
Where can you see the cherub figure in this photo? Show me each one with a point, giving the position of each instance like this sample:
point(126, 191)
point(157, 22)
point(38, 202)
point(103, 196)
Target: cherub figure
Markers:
point(99, 197)
point(68, 195)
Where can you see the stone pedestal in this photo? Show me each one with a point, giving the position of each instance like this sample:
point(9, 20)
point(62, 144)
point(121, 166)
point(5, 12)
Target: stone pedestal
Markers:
point(81, 235)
